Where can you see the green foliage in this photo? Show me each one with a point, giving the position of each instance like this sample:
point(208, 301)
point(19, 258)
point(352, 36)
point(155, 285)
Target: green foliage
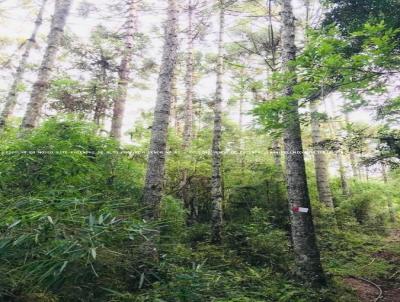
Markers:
point(326, 65)
point(69, 219)
point(173, 217)
point(367, 205)
point(71, 231)
point(71, 227)
point(259, 242)
point(67, 158)
point(351, 15)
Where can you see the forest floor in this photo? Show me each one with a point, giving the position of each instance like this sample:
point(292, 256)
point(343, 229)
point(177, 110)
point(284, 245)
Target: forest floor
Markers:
point(384, 289)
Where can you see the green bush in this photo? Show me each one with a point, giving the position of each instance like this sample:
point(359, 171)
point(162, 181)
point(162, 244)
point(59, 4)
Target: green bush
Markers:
point(66, 158)
point(69, 222)
point(259, 242)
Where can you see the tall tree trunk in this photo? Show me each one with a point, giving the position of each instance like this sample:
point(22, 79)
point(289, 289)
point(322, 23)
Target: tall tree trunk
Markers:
point(241, 102)
point(124, 71)
point(353, 164)
point(12, 96)
point(216, 179)
point(241, 142)
point(320, 161)
point(100, 109)
point(174, 102)
point(33, 111)
point(157, 151)
point(352, 156)
point(333, 130)
point(359, 172)
point(307, 255)
point(188, 116)
point(342, 172)
point(392, 214)
point(98, 112)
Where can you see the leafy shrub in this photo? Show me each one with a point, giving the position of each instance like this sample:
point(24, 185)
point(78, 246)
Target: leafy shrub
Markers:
point(259, 242)
point(173, 219)
point(367, 205)
point(68, 158)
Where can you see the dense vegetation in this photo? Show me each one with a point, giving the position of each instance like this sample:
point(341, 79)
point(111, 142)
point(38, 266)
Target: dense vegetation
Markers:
point(71, 226)
point(90, 214)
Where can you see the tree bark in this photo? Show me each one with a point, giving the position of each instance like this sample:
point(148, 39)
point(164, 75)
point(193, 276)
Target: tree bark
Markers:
point(33, 111)
point(342, 172)
point(320, 161)
point(12, 96)
point(157, 151)
point(216, 179)
point(307, 255)
point(101, 105)
point(188, 114)
point(188, 117)
point(174, 102)
point(124, 71)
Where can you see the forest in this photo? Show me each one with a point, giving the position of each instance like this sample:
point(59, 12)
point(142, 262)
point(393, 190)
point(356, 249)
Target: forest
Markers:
point(199, 150)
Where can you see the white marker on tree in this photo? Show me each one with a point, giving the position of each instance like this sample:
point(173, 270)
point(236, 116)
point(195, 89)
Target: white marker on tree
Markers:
point(300, 210)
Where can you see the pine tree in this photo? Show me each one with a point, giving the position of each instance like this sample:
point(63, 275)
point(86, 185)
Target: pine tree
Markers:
point(216, 179)
point(157, 151)
point(320, 160)
point(12, 97)
point(38, 95)
point(307, 255)
point(124, 71)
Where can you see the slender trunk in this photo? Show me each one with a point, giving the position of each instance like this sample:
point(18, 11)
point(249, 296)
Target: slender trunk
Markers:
point(352, 156)
point(33, 111)
point(241, 144)
point(101, 103)
point(342, 172)
point(97, 114)
point(216, 179)
point(339, 155)
point(277, 155)
point(188, 115)
point(392, 214)
point(353, 164)
point(307, 254)
point(320, 161)
point(124, 71)
point(12, 96)
point(157, 151)
point(174, 102)
point(359, 172)
point(241, 101)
